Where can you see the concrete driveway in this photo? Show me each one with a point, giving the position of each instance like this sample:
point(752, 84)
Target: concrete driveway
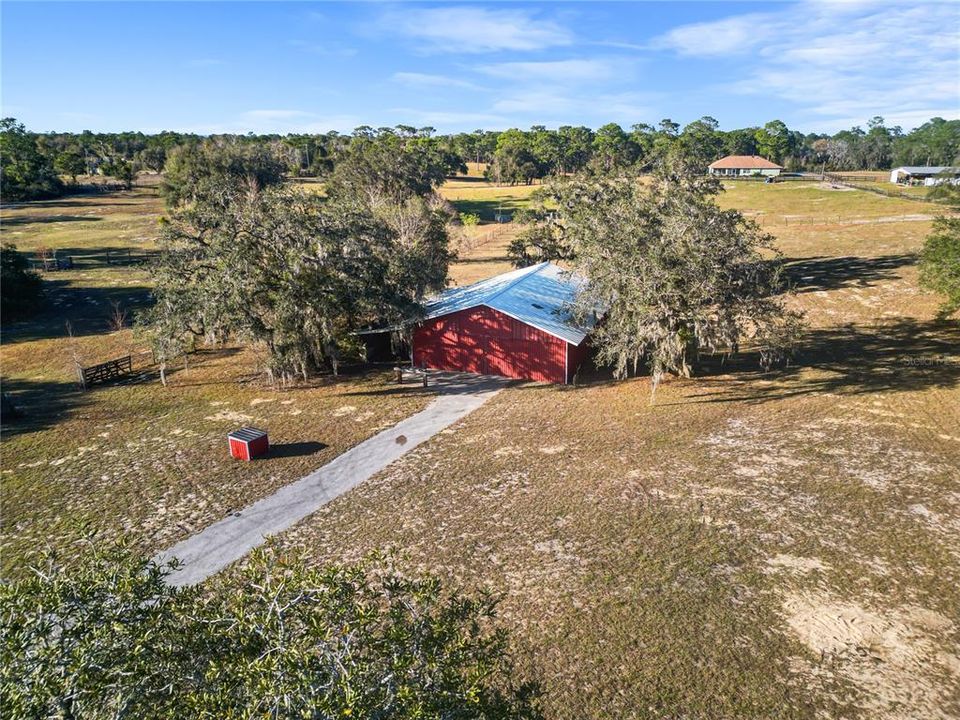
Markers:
point(228, 540)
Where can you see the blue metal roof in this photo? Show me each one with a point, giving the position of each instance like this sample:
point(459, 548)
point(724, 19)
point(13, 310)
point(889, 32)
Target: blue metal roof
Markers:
point(926, 170)
point(538, 295)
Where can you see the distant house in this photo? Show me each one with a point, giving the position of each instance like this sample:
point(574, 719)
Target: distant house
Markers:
point(744, 166)
point(517, 325)
point(924, 175)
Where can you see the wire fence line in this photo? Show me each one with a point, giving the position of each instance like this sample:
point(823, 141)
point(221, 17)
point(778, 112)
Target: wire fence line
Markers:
point(835, 219)
point(859, 182)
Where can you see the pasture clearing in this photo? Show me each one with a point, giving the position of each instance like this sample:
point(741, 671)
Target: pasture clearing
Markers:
point(476, 195)
point(136, 457)
point(482, 249)
point(750, 545)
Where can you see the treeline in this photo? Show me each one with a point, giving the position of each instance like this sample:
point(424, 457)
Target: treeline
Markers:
point(517, 156)
point(35, 165)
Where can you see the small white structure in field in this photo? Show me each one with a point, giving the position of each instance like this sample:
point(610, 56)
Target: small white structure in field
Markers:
point(924, 175)
point(744, 166)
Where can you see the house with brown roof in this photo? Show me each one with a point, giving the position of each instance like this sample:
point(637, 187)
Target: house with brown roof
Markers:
point(744, 166)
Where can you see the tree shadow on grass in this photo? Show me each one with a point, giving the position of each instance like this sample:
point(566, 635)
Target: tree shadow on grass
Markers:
point(479, 179)
point(834, 273)
point(897, 356)
point(40, 404)
point(297, 449)
point(482, 260)
point(87, 309)
point(47, 219)
point(183, 373)
point(80, 199)
point(43, 404)
point(91, 258)
point(488, 208)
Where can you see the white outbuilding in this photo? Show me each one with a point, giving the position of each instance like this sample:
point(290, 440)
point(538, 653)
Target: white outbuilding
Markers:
point(924, 175)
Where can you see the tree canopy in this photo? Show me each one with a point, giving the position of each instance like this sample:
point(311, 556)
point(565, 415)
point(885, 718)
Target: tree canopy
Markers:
point(940, 263)
point(25, 172)
point(671, 273)
point(31, 161)
point(389, 165)
point(193, 171)
point(291, 272)
point(105, 636)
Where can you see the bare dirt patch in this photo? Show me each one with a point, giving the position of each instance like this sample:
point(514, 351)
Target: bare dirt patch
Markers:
point(796, 564)
point(892, 657)
point(835, 188)
point(229, 416)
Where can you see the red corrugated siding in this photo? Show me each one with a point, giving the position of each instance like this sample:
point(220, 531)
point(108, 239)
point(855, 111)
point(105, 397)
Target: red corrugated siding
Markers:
point(247, 450)
point(577, 355)
point(482, 340)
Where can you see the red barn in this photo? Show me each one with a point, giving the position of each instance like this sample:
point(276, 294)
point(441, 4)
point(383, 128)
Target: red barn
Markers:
point(516, 325)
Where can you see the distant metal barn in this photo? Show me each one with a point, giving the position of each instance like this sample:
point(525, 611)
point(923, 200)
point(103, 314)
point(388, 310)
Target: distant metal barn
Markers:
point(516, 325)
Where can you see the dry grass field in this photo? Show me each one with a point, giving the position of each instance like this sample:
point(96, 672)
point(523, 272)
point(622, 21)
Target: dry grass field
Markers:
point(137, 457)
point(746, 545)
point(482, 250)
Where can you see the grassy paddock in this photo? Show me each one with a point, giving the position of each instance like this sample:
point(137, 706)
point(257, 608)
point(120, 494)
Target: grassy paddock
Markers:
point(748, 545)
point(138, 457)
point(475, 195)
point(483, 249)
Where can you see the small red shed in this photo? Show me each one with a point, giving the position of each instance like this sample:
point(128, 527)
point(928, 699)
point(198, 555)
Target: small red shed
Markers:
point(248, 443)
point(516, 325)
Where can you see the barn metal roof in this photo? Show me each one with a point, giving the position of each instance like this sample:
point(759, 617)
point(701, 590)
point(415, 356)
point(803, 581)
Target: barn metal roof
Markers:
point(925, 170)
point(538, 295)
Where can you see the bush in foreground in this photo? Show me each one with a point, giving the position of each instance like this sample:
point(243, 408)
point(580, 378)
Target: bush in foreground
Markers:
point(940, 263)
point(107, 637)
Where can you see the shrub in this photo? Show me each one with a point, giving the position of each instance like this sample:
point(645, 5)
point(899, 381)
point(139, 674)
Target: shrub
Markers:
point(940, 263)
point(107, 637)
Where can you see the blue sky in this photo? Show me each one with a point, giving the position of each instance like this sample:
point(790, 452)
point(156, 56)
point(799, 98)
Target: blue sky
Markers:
point(313, 67)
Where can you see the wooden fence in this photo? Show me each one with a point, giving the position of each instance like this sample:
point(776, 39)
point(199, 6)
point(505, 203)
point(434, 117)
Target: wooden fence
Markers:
point(52, 263)
point(124, 257)
point(110, 370)
point(853, 177)
point(769, 178)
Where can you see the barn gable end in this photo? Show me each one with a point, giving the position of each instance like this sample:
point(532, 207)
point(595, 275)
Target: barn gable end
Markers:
point(517, 324)
point(487, 341)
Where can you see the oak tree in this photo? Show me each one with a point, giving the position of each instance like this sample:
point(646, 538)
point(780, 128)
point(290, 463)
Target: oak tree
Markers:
point(104, 635)
point(672, 274)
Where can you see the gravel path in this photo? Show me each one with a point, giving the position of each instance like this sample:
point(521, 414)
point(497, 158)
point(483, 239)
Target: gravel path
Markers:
point(228, 540)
